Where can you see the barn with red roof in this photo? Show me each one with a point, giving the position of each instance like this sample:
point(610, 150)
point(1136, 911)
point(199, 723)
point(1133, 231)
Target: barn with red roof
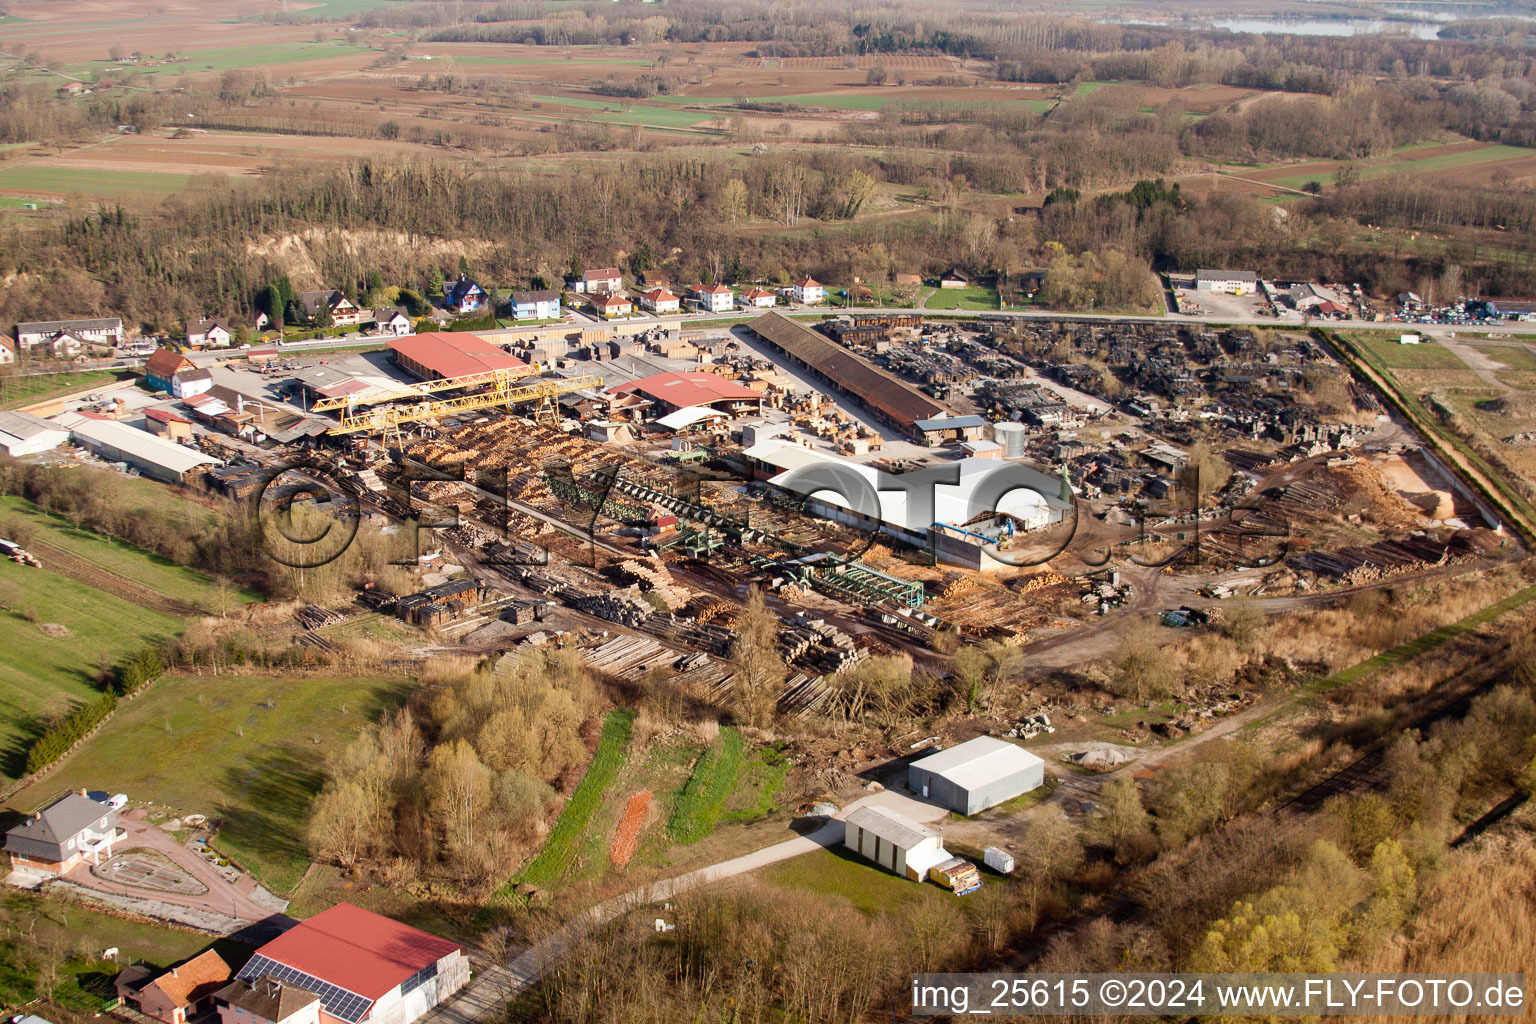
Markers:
point(365, 969)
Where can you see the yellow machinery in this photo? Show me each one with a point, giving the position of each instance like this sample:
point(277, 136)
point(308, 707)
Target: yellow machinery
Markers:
point(379, 395)
point(388, 418)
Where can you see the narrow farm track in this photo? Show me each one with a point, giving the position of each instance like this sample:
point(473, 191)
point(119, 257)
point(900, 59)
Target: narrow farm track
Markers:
point(82, 571)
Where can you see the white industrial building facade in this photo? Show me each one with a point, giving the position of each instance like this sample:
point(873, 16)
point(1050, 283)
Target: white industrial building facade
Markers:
point(895, 842)
point(976, 774)
point(959, 509)
point(1233, 282)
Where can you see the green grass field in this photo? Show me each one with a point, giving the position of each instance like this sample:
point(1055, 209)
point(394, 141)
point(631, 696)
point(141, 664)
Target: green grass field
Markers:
point(839, 873)
point(1424, 356)
point(974, 297)
point(559, 853)
point(158, 574)
point(39, 672)
point(710, 784)
point(103, 182)
point(210, 744)
point(24, 389)
point(1386, 166)
point(1512, 356)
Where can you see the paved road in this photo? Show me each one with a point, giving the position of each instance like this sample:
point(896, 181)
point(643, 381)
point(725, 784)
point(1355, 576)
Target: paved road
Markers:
point(230, 899)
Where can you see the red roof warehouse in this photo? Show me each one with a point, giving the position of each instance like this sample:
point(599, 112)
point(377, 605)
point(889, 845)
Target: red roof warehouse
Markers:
point(435, 356)
point(362, 966)
point(674, 391)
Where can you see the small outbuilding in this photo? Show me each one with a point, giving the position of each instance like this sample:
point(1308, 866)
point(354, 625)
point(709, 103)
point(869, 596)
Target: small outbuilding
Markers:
point(976, 774)
point(894, 841)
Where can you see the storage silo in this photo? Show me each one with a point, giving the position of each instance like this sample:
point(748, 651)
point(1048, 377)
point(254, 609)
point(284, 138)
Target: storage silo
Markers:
point(1011, 436)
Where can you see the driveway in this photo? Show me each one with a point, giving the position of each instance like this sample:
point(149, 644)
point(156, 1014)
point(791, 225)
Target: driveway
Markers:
point(230, 899)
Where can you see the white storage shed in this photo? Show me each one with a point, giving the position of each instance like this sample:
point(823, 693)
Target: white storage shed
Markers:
point(894, 841)
point(976, 774)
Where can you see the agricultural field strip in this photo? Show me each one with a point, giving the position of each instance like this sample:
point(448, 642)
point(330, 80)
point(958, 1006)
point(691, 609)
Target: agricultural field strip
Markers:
point(560, 848)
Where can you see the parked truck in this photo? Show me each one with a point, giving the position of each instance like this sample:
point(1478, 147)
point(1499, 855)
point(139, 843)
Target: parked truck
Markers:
point(956, 874)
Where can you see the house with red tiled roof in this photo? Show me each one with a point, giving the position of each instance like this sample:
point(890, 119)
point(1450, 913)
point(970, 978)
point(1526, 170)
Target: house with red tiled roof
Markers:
point(659, 300)
point(759, 298)
point(714, 298)
point(183, 992)
point(613, 305)
point(162, 366)
point(809, 292)
point(364, 968)
point(596, 282)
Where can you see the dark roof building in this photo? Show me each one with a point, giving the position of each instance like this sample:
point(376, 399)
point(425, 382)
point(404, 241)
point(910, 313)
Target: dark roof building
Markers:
point(264, 998)
point(882, 393)
point(58, 837)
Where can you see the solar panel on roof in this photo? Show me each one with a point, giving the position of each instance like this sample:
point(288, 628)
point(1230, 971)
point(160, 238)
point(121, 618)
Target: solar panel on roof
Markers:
point(338, 1002)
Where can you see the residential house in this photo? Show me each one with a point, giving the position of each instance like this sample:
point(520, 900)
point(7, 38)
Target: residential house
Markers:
point(344, 312)
point(66, 345)
point(543, 304)
point(181, 993)
point(105, 332)
point(162, 366)
point(758, 298)
point(953, 278)
point(209, 332)
point(656, 279)
point(464, 296)
point(613, 305)
point(266, 1001)
point(62, 836)
point(392, 320)
point(7, 351)
point(1233, 282)
point(714, 298)
point(596, 282)
point(659, 300)
point(808, 292)
point(366, 969)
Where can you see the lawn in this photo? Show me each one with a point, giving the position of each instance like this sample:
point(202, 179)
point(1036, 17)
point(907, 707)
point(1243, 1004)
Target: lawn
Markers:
point(158, 574)
point(103, 182)
point(248, 750)
point(559, 853)
point(24, 389)
point(39, 672)
point(1424, 356)
point(1512, 356)
point(840, 872)
point(710, 784)
point(974, 297)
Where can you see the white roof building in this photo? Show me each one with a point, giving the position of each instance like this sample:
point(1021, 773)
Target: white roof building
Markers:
point(894, 841)
point(22, 433)
point(117, 442)
point(976, 774)
point(1017, 496)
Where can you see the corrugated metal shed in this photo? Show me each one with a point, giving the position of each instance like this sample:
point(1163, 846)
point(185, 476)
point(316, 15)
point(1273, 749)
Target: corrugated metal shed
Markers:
point(896, 400)
point(976, 774)
point(118, 442)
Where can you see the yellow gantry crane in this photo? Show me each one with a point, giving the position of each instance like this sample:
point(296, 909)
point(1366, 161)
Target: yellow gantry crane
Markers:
point(390, 417)
point(378, 394)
